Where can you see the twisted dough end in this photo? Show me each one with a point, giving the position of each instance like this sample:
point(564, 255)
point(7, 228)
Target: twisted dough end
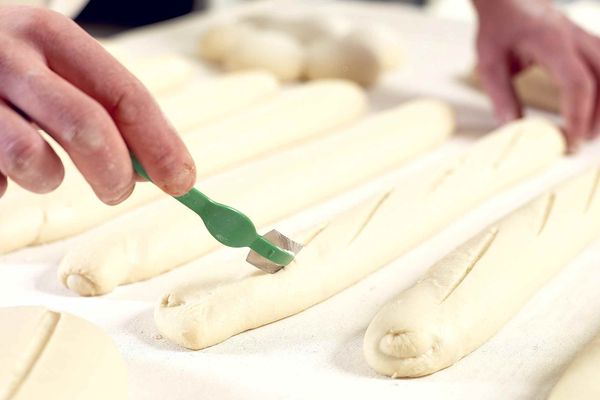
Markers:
point(80, 285)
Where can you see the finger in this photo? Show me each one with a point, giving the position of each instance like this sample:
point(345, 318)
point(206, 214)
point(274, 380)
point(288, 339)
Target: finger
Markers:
point(25, 156)
point(578, 93)
point(77, 122)
point(3, 184)
point(589, 47)
point(138, 117)
point(496, 79)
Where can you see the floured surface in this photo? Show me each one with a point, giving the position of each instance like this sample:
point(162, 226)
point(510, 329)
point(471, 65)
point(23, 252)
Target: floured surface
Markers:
point(318, 353)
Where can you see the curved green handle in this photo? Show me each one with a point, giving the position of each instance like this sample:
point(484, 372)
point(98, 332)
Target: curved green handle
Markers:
point(226, 224)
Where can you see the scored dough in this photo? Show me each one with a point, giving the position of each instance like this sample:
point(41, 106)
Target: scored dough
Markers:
point(473, 292)
point(360, 241)
point(167, 235)
point(73, 207)
point(50, 355)
point(580, 380)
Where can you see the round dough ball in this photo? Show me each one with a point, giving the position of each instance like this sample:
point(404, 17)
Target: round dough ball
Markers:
point(305, 29)
point(219, 39)
point(50, 355)
point(273, 51)
point(384, 41)
point(343, 58)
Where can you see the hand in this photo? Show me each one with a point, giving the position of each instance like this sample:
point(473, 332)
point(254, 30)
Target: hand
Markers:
point(514, 34)
point(53, 75)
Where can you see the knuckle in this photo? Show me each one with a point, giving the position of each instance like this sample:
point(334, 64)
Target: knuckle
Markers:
point(31, 20)
point(87, 130)
point(130, 105)
point(22, 155)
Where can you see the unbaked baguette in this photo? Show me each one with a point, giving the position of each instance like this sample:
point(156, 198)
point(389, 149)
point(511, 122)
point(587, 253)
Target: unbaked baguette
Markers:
point(51, 355)
point(167, 235)
point(162, 74)
point(73, 207)
point(470, 295)
point(208, 100)
point(580, 380)
point(360, 241)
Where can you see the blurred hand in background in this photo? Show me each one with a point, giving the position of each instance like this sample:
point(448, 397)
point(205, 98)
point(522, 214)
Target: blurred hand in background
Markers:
point(513, 34)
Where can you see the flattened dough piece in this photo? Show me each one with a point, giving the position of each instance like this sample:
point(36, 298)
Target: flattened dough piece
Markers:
point(50, 355)
point(29, 219)
point(580, 380)
point(167, 235)
point(473, 292)
point(360, 241)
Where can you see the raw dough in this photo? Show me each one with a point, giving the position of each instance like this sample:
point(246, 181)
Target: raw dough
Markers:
point(161, 74)
point(305, 28)
point(534, 87)
point(273, 51)
point(580, 380)
point(360, 241)
point(219, 39)
point(50, 355)
point(167, 235)
point(209, 100)
point(473, 292)
point(343, 58)
point(73, 208)
point(384, 42)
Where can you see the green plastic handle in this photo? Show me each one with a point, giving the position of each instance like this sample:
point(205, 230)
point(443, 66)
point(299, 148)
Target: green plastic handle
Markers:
point(226, 224)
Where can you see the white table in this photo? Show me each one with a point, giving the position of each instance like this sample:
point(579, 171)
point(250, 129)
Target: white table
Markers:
point(317, 354)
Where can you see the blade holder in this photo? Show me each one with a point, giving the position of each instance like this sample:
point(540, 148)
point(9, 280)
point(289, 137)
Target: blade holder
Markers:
point(232, 228)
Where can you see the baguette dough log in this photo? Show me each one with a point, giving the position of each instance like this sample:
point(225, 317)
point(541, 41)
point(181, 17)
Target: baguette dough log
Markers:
point(343, 58)
point(29, 219)
point(580, 380)
point(276, 52)
point(168, 235)
point(205, 101)
point(350, 247)
point(470, 295)
point(50, 355)
point(161, 74)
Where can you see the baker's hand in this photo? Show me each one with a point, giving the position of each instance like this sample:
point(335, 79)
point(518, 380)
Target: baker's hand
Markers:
point(53, 75)
point(514, 34)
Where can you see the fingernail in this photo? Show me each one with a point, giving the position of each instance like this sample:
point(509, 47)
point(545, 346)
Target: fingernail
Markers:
point(118, 196)
point(181, 181)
